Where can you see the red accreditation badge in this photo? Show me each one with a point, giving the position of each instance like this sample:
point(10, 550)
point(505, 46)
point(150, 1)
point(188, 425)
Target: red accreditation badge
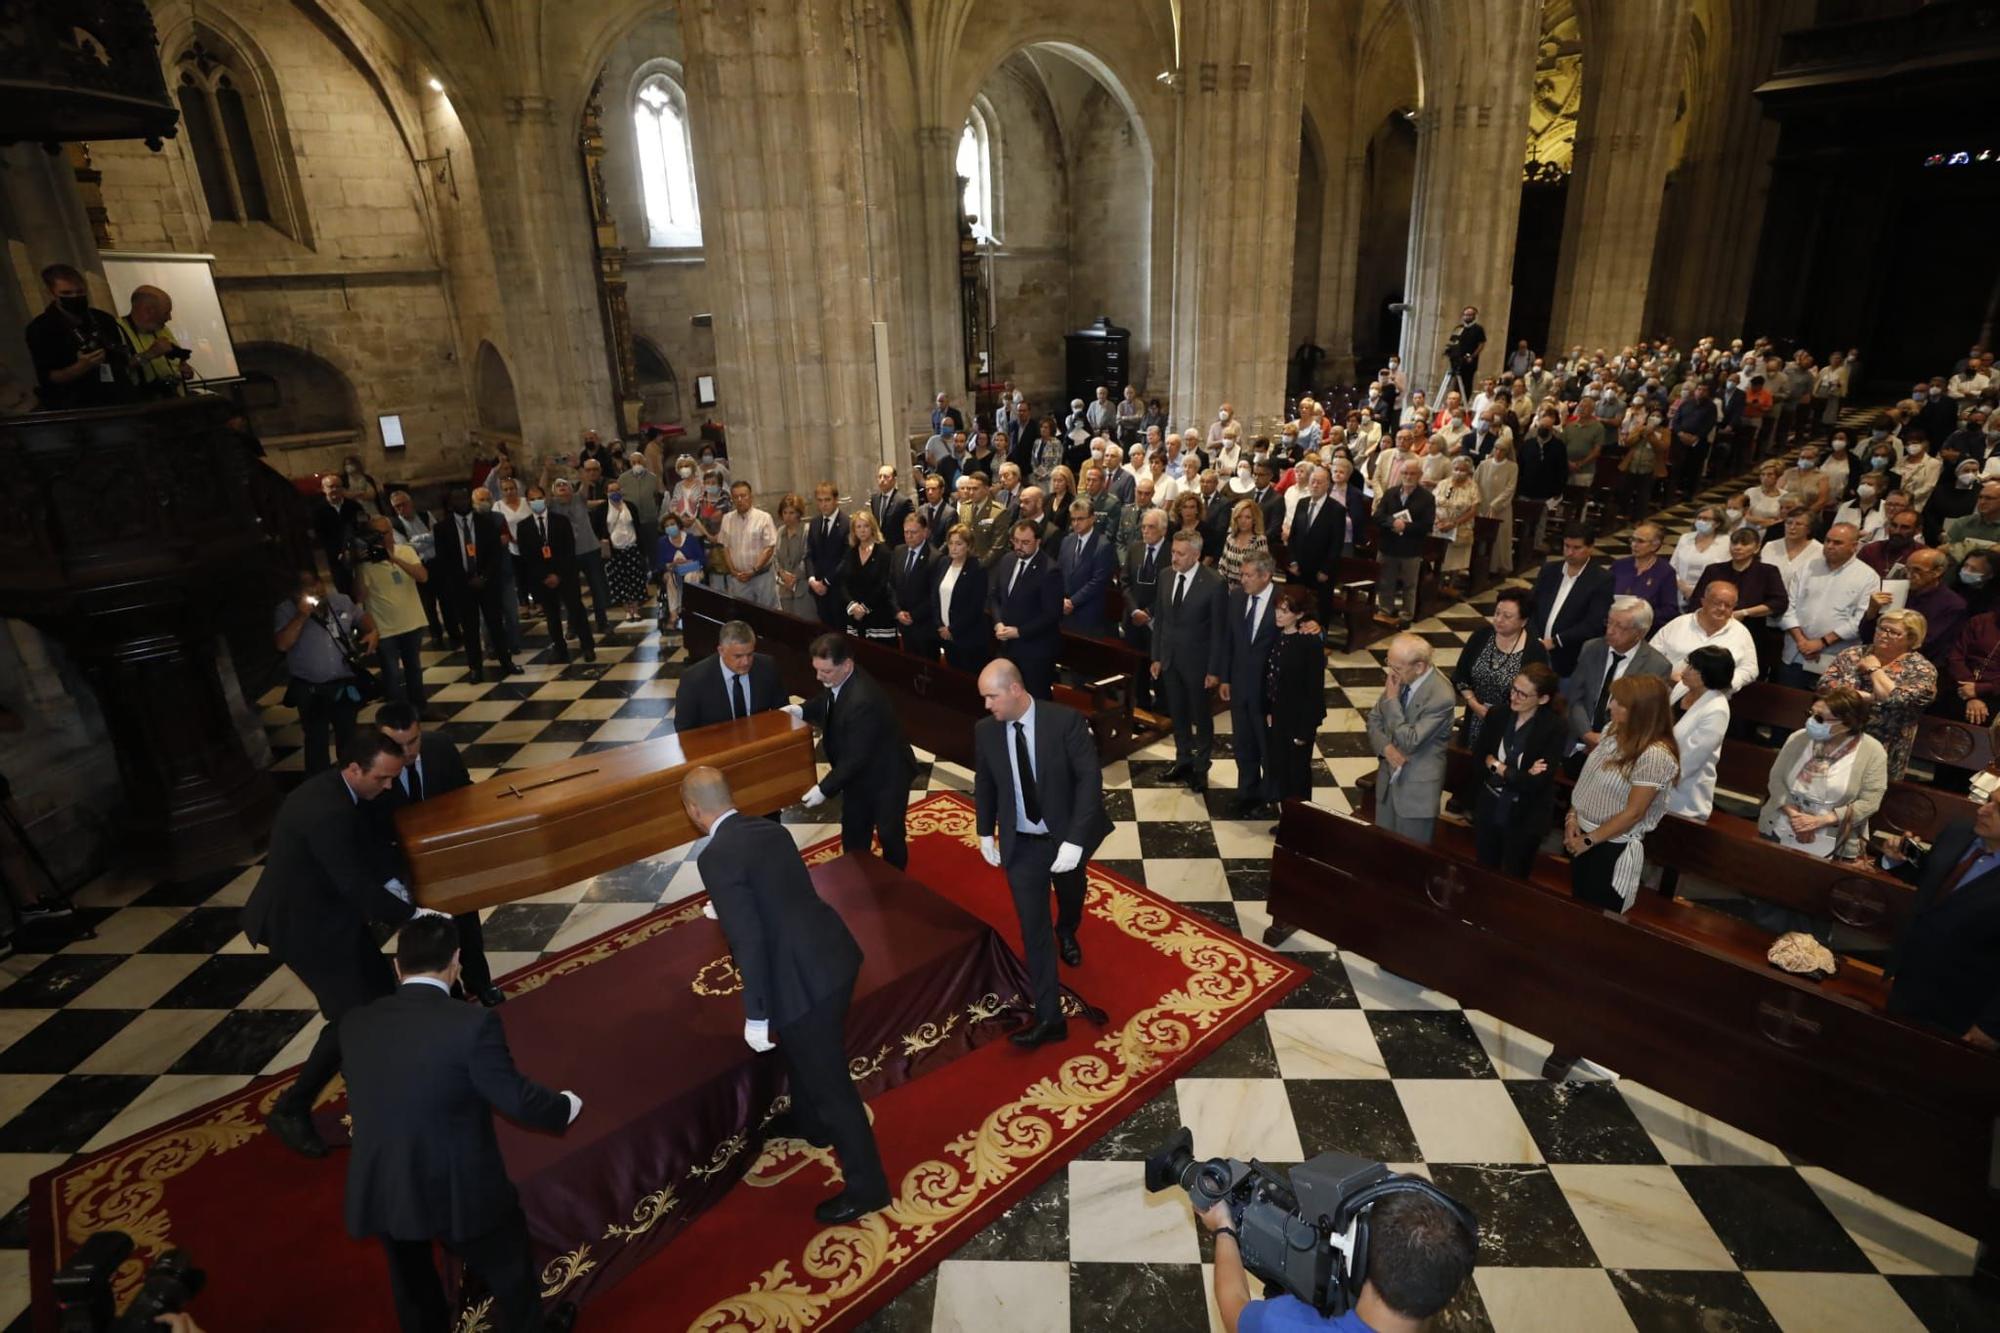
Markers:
point(547, 554)
point(472, 550)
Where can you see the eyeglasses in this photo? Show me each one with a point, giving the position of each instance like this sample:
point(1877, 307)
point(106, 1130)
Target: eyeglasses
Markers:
point(1520, 693)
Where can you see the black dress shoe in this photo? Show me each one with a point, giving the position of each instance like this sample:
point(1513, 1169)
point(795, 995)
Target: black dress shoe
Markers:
point(845, 1207)
point(489, 995)
point(1197, 783)
point(295, 1130)
point(561, 1319)
point(590, 657)
point(1174, 773)
point(1040, 1034)
point(509, 668)
point(476, 676)
point(1070, 951)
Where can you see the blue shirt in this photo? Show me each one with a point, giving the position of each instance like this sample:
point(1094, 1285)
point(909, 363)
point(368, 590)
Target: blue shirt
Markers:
point(1282, 1313)
point(1027, 724)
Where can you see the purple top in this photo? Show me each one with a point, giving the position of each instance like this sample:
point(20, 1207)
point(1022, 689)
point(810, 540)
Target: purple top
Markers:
point(1656, 586)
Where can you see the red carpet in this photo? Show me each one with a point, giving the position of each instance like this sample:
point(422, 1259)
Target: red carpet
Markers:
point(961, 1144)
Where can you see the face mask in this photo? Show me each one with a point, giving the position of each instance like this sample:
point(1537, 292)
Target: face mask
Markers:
point(1819, 728)
point(616, 499)
point(1920, 395)
point(1704, 526)
point(1915, 451)
point(1971, 578)
point(79, 306)
point(538, 506)
point(1840, 446)
point(1222, 416)
point(1734, 516)
point(482, 506)
point(1655, 421)
point(1967, 480)
point(1243, 474)
point(1808, 461)
point(1865, 493)
point(686, 471)
point(1878, 463)
point(672, 532)
point(1877, 434)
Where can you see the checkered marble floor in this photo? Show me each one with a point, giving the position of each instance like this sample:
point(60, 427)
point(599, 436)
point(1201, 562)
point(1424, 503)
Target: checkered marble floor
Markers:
point(1602, 1207)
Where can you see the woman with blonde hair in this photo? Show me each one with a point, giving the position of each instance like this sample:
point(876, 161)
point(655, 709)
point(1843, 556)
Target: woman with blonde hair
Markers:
point(1897, 680)
point(1457, 507)
point(1246, 537)
point(866, 581)
point(1621, 794)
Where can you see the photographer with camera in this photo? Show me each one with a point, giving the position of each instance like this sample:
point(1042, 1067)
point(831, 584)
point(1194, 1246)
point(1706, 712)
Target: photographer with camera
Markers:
point(79, 352)
point(387, 575)
point(323, 636)
point(1349, 1244)
point(159, 364)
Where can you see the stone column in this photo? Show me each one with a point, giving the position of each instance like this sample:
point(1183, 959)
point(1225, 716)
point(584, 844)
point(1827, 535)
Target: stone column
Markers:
point(1242, 100)
point(1631, 76)
point(1707, 241)
point(1477, 61)
point(1340, 244)
point(790, 218)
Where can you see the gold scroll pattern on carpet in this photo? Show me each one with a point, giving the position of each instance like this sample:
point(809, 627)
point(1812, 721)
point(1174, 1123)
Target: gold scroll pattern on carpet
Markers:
point(842, 1262)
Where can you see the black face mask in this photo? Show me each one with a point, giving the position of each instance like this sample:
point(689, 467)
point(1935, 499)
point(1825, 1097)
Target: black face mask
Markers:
point(74, 306)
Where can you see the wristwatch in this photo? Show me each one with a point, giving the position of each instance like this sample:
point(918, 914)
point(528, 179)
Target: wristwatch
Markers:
point(1229, 1232)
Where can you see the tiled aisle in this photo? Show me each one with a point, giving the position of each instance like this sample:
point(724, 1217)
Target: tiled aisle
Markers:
point(1604, 1208)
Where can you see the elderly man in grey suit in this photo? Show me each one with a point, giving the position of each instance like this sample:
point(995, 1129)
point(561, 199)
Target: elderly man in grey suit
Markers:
point(1410, 728)
point(1187, 624)
point(1622, 651)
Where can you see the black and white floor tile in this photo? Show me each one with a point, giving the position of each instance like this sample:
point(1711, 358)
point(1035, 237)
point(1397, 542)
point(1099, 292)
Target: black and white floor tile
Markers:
point(1603, 1207)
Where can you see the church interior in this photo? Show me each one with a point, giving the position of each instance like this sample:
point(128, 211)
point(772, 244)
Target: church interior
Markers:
point(394, 256)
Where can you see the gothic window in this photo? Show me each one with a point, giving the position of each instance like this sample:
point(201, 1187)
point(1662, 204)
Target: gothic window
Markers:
point(975, 173)
point(221, 136)
point(666, 163)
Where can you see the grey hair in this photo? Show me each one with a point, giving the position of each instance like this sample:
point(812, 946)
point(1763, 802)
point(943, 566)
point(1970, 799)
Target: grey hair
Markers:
point(736, 632)
point(1636, 609)
point(1260, 560)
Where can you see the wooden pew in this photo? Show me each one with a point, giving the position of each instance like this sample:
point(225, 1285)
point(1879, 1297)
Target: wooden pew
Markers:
point(1940, 740)
point(539, 828)
point(1676, 997)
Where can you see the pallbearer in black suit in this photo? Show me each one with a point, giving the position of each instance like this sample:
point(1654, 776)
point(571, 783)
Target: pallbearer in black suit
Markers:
point(798, 963)
point(1039, 794)
point(432, 766)
point(872, 763)
point(1187, 622)
point(1945, 971)
point(424, 1077)
point(736, 682)
point(916, 617)
point(329, 874)
point(1027, 595)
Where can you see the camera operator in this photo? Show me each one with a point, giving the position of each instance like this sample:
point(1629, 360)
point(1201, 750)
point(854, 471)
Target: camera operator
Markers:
point(79, 351)
point(387, 577)
point(159, 363)
point(1462, 349)
point(1418, 1257)
point(320, 632)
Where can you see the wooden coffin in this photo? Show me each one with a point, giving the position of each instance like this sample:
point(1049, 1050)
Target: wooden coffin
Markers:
point(539, 828)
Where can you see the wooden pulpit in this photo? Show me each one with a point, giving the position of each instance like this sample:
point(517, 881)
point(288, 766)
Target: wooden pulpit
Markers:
point(536, 829)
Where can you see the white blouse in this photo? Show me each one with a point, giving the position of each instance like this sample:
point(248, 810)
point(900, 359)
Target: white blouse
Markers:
point(946, 584)
point(1698, 735)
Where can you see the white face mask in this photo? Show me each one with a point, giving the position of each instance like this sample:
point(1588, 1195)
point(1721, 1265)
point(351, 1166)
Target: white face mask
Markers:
point(1866, 493)
point(1222, 416)
point(1243, 474)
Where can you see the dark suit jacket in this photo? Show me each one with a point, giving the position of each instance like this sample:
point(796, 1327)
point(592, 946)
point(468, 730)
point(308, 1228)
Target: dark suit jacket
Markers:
point(1138, 591)
point(424, 1077)
point(942, 516)
point(824, 554)
point(554, 533)
point(912, 587)
point(1316, 549)
point(1582, 616)
point(793, 951)
point(1215, 523)
point(1416, 532)
point(1238, 658)
point(1299, 705)
point(1946, 966)
point(1086, 578)
point(1068, 779)
point(1545, 737)
point(702, 697)
point(1586, 678)
point(323, 878)
point(488, 539)
point(443, 769)
point(1272, 503)
point(1034, 606)
point(865, 743)
point(889, 512)
point(1184, 640)
point(970, 629)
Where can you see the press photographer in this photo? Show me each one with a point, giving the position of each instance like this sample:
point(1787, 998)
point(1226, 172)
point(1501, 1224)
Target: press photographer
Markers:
point(79, 351)
point(1348, 1244)
point(86, 1304)
point(159, 364)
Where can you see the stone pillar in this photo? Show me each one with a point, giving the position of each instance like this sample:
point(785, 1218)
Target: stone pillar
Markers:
point(537, 217)
point(1631, 76)
point(790, 218)
point(1707, 241)
point(1234, 200)
point(611, 285)
point(1477, 61)
point(1339, 251)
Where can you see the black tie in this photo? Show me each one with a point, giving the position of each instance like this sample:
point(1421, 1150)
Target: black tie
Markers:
point(1180, 590)
point(736, 689)
point(465, 543)
point(1604, 691)
point(911, 568)
point(1146, 573)
point(1031, 797)
point(1019, 565)
point(416, 771)
point(1250, 617)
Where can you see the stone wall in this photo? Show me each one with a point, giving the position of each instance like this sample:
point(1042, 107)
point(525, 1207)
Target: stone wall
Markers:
point(1031, 269)
point(1111, 219)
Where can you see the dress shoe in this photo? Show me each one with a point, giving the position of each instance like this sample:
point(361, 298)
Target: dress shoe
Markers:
point(1197, 783)
point(1040, 1034)
point(845, 1207)
point(509, 668)
point(1069, 950)
point(490, 996)
point(1174, 773)
point(561, 1319)
point(476, 676)
point(590, 657)
point(295, 1130)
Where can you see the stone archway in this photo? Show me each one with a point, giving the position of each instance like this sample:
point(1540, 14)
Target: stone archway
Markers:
point(494, 405)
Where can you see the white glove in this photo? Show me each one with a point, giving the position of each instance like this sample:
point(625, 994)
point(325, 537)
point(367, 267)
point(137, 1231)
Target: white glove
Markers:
point(575, 1105)
point(757, 1032)
point(814, 796)
point(989, 849)
point(708, 910)
point(1068, 857)
point(429, 911)
point(796, 710)
point(395, 886)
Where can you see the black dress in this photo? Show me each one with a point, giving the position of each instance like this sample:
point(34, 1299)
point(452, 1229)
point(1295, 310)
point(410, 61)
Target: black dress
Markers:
point(1489, 673)
point(1515, 808)
point(872, 583)
point(1295, 691)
